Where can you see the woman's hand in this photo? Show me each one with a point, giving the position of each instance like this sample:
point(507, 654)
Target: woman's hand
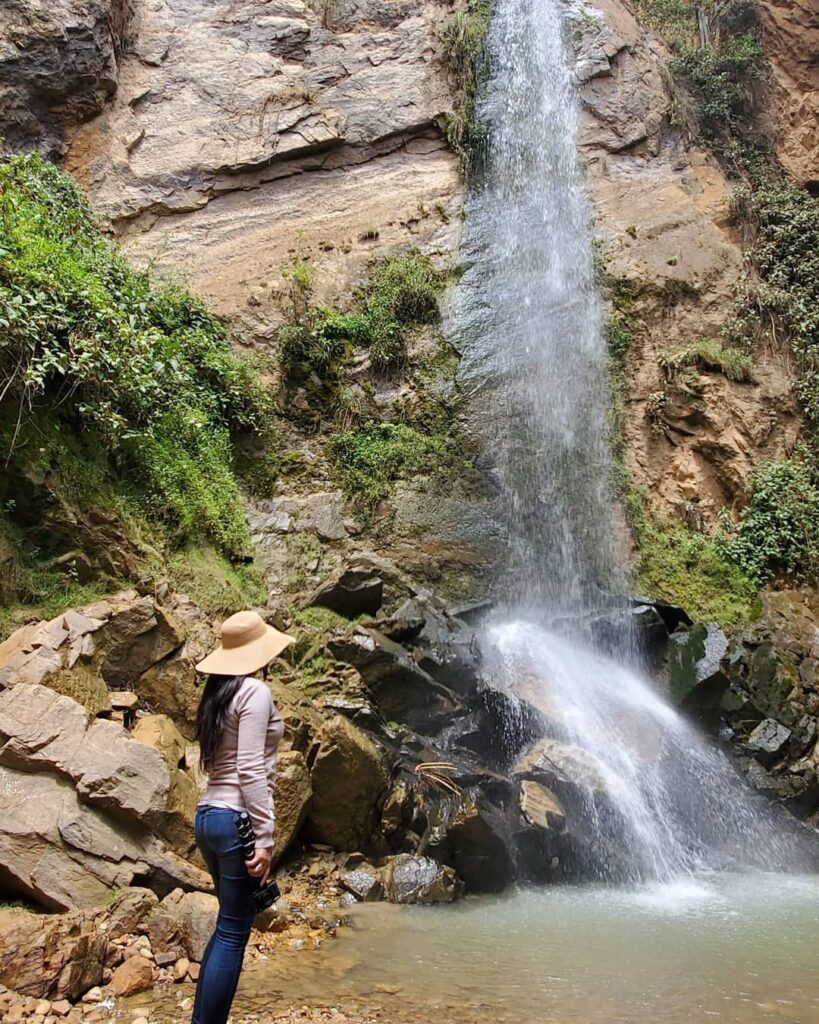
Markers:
point(259, 864)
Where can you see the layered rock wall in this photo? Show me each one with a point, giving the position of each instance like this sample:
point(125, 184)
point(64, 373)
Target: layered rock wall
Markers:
point(662, 211)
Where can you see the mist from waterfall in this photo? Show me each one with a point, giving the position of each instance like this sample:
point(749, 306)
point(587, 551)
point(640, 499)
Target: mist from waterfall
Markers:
point(529, 325)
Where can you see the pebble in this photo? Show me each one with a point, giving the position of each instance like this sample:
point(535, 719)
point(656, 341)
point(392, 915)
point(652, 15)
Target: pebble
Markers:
point(193, 972)
point(186, 1003)
point(140, 1020)
point(93, 995)
point(181, 968)
point(61, 1008)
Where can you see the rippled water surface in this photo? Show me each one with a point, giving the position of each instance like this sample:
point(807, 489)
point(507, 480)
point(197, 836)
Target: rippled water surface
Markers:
point(738, 949)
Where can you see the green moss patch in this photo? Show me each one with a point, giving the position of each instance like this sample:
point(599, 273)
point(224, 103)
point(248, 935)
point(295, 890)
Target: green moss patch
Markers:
point(215, 584)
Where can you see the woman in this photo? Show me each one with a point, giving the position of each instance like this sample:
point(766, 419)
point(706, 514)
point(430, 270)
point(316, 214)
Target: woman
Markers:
point(239, 729)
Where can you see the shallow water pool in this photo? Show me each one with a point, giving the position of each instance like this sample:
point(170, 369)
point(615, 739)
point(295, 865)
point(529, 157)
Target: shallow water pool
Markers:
point(727, 950)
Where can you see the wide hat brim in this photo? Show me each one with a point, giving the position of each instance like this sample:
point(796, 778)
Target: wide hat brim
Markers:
point(249, 658)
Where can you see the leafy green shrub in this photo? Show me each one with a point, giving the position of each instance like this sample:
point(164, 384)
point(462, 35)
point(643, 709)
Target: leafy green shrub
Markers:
point(403, 291)
point(465, 51)
point(778, 530)
point(711, 355)
point(144, 372)
point(320, 340)
point(370, 458)
point(784, 222)
point(721, 78)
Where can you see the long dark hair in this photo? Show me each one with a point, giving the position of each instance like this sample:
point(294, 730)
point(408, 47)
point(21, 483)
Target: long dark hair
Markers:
point(211, 715)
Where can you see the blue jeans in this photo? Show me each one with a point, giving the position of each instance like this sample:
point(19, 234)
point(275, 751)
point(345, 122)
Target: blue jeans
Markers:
point(219, 973)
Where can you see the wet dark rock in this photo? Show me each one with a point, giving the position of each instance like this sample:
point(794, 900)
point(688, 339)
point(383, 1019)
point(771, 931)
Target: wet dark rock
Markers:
point(353, 591)
point(403, 691)
point(696, 679)
point(364, 883)
point(768, 740)
point(413, 879)
point(496, 729)
point(672, 616)
point(472, 612)
point(479, 846)
point(58, 66)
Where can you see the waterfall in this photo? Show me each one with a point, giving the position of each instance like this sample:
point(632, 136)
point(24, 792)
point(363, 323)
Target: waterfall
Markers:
point(530, 318)
point(534, 359)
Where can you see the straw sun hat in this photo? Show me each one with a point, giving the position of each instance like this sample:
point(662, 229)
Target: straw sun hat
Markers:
point(248, 644)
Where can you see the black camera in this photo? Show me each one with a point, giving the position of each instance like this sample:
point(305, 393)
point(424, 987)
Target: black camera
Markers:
point(267, 895)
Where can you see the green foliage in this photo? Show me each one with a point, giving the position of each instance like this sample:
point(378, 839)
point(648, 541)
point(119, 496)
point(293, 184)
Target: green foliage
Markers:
point(778, 530)
point(784, 224)
point(323, 619)
point(711, 355)
point(403, 292)
point(673, 19)
point(370, 458)
point(320, 341)
point(217, 585)
point(688, 569)
point(721, 79)
point(41, 590)
point(464, 45)
point(146, 371)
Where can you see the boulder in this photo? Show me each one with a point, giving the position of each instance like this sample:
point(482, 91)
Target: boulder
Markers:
point(133, 976)
point(291, 799)
point(540, 807)
point(182, 924)
point(480, 847)
point(349, 778)
point(63, 855)
point(364, 883)
point(170, 688)
point(119, 774)
point(159, 732)
point(81, 653)
point(51, 957)
point(768, 740)
point(128, 910)
point(353, 591)
point(53, 760)
point(136, 637)
point(404, 692)
point(412, 879)
point(39, 729)
point(196, 912)
point(561, 766)
point(696, 679)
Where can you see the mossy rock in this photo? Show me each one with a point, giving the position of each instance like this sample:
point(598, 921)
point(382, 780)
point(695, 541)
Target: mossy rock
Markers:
point(83, 684)
point(770, 681)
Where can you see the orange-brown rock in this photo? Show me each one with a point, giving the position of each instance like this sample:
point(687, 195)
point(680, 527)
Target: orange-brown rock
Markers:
point(791, 43)
point(51, 956)
point(135, 975)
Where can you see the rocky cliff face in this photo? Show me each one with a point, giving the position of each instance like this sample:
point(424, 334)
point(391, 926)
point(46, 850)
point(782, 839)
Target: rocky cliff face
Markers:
point(243, 135)
point(58, 66)
point(791, 41)
point(674, 263)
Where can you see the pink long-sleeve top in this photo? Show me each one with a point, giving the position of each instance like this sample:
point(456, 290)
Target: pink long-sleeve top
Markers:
point(244, 769)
